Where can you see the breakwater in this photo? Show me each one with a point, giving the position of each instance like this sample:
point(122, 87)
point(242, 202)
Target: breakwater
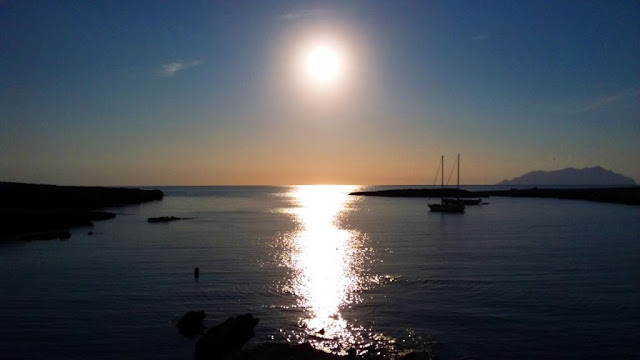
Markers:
point(619, 195)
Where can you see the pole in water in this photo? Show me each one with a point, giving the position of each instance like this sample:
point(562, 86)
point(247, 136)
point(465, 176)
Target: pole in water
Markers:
point(196, 273)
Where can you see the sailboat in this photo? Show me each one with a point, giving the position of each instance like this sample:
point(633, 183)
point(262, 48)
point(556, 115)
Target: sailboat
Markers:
point(477, 201)
point(452, 207)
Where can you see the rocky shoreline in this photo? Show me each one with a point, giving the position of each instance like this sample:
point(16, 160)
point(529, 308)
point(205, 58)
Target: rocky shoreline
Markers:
point(226, 340)
point(40, 212)
point(619, 195)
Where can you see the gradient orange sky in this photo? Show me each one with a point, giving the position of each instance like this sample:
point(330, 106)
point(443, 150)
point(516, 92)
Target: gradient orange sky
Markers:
point(200, 93)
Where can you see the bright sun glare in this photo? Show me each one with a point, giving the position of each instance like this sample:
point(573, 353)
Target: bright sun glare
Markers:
point(323, 63)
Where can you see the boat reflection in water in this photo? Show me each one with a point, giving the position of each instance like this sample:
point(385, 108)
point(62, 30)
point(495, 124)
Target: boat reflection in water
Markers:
point(326, 265)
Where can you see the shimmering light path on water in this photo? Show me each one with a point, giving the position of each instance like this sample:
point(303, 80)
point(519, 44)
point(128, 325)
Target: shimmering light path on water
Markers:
point(326, 264)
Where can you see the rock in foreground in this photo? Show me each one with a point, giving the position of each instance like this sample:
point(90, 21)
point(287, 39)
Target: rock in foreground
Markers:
point(275, 351)
point(225, 341)
point(191, 324)
point(221, 341)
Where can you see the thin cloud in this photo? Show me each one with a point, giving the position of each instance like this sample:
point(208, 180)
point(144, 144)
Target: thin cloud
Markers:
point(480, 37)
point(608, 99)
point(170, 69)
point(304, 14)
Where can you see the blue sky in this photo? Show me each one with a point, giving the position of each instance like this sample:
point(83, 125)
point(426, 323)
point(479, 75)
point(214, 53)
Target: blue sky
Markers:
point(159, 92)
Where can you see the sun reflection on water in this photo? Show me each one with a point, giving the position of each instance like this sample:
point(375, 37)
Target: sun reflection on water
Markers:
point(326, 263)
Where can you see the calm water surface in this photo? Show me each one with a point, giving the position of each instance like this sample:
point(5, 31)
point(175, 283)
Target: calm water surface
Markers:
point(519, 278)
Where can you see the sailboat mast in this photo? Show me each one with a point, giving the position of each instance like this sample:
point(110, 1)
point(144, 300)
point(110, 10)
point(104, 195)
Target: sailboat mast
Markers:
point(442, 176)
point(458, 189)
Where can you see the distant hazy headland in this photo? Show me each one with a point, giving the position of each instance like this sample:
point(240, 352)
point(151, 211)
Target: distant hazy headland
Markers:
point(571, 176)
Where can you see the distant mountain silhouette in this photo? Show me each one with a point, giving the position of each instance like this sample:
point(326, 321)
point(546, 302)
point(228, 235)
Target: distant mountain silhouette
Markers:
point(571, 176)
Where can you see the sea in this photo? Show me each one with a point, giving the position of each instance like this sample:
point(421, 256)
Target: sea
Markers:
point(516, 278)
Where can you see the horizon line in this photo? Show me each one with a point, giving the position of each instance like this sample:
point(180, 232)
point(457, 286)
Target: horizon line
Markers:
point(319, 184)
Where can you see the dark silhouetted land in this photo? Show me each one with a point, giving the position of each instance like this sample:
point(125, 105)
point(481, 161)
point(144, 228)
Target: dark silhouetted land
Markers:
point(40, 211)
point(620, 195)
point(570, 176)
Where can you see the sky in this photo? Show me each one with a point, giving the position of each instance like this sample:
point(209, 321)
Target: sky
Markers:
point(214, 92)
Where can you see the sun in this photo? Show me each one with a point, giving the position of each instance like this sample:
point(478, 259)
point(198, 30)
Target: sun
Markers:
point(323, 63)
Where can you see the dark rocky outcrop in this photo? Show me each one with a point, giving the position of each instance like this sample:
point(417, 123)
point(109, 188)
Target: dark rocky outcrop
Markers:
point(29, 220)
point(191, 324)
point(47, 235)
point(304, 351)
point(18, 195)
point(225, 339)
point(225, 342)
point(162, 219)
point(278, 351)
point(31, 208)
